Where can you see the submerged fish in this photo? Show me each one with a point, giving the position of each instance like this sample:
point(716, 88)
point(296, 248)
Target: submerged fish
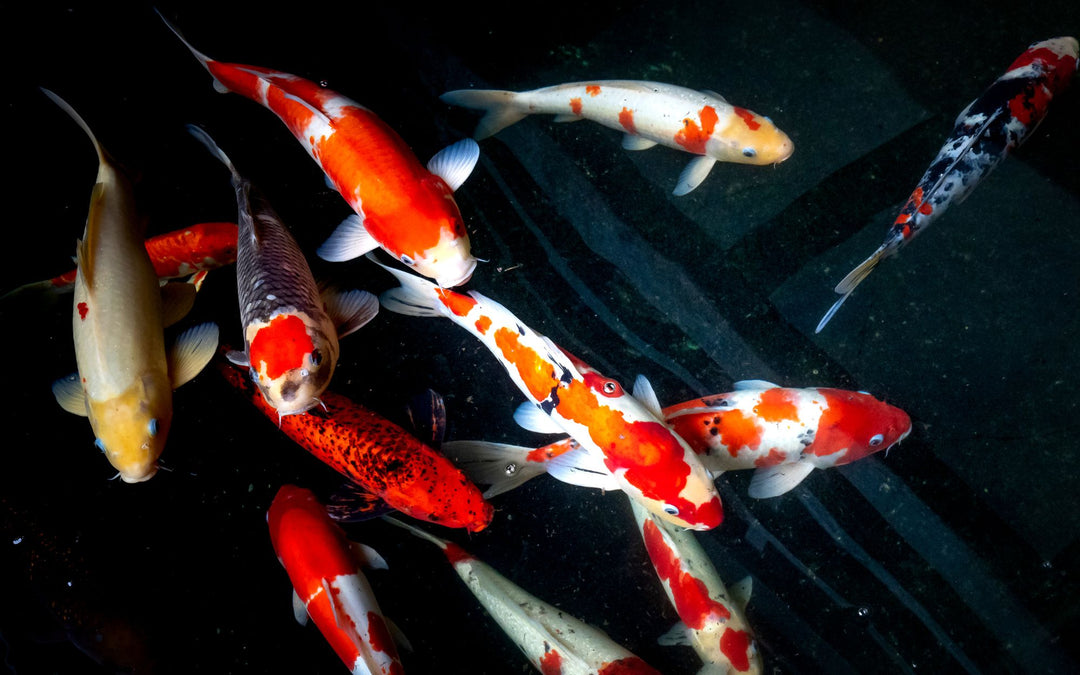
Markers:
point(987, 130)
point(291, 339)
point(552, 640)
point(187, 252)
point(125, 380)
point(701, 123)
point(380, 457)
point(328, 586)
point(399, 205)
point(782, 433)
point(648, 461)
point(711, 620)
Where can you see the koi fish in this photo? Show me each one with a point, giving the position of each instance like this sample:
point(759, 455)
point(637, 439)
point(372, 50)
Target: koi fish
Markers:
point(711, 620)
point(699, 122)
point(399, 205)
point(125, 380)
point(987, 130)
point(291, 341)
point(553, 641)
point(187, 252)
point(647, 460)
point(782, 433)
point(328, 585)
point(380, 457)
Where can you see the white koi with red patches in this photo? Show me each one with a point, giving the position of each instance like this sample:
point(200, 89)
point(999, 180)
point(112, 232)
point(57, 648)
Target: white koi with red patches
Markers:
point(553, 641)
point(324, 569)
point(712, 621)
point(649, 113)
point(782, 433)
point(648, 461)
point(399, 205)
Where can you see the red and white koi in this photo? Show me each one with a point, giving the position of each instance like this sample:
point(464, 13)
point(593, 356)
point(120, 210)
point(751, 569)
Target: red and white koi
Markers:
point(187, 252)
point(125, 379)
point(553, 641)
point(379, 456)
point(328, 586)
point(291, 339)
point(399, 205)
point(987, 130)
point(648, 461)
point(712, 620)
point(782, 433)
point(648, 113)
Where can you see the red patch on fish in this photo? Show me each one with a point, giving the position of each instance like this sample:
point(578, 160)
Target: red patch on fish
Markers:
point(738, 430)
point(690, 595)
point(575, 105)
point(483, 324)
point(379, 634)
point(626, 119)
point(457, 303)
point(693, 137)
point(772, 459)
point(83, 309)
point(776, 405)
point(593, 90)
point(631, 665)
point(455, 553)
point(748, 118)
point(550, 662)
point(735, 645)
point(281, 345)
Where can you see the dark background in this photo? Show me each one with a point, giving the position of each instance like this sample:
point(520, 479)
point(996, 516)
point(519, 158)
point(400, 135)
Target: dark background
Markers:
point(957, 552)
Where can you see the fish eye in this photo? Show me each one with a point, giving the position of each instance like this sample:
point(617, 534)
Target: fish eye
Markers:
point(749, 152)
point(407, 260)
point(610, 387)
point(316, 357)
point(876, 440)
point(100, 444)
point(671, 509)
point(152, 428)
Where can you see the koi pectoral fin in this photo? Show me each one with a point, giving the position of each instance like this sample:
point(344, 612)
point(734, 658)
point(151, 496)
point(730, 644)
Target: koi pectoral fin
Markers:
point(350, 240)
point(501, 466)
point(693, 175)
point(774, 481)
point(455, 162)
point(299, 609)
point(191, 352)
point(70, 395)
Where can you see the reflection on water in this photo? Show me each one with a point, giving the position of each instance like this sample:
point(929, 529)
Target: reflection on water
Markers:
point(956, 551)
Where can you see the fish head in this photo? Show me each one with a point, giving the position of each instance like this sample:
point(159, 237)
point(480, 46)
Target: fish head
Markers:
point(131, 428)
point(855, 425)
point(749, 139)
point(292, 359)
point(437, 245)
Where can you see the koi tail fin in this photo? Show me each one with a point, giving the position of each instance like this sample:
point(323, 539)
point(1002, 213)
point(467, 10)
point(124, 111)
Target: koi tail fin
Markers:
point(202, 58)
point(416, 531)
point(415, 296)
point(853, 279)
point(500, 108)
point(500, 466)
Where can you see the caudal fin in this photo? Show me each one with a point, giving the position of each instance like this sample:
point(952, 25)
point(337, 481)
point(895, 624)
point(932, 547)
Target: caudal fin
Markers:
point(853, 279)
point(499, 107)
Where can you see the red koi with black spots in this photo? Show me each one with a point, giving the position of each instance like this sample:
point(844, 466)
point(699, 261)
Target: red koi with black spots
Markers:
point(328, 586)
point(399, 205)
point(648, 113)
point(991, 127)
point(782, 433)
point(647, 460)
point(553, 641)
point(378, 456)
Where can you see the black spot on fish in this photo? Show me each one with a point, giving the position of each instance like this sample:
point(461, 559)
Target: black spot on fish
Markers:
point(289, 390)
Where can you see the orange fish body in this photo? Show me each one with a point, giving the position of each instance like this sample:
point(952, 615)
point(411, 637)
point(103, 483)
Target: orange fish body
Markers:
point(380, 457)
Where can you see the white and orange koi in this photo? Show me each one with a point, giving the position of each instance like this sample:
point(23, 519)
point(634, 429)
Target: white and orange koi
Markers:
point(782, 433)
point(399, 205)
point(291, 339)
point(328, 586)
point(711, 620)
point(553, 641)
point(647, 460)
point(125, 379)
point(649, 113)
point(985, 132)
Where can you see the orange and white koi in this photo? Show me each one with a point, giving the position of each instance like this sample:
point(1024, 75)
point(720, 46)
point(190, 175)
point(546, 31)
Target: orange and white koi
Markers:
point(553, 641)
point(782, 433)
point(125, 380)
point(328, 586)
point(187, 252)
point(647, 460)
point(378, 456)
point(648, 113)
point(986, 131)
point(291, 340)
point(399, 205)
point(711, 620)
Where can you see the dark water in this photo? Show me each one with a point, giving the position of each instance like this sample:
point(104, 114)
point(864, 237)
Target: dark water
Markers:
point(956, 553)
